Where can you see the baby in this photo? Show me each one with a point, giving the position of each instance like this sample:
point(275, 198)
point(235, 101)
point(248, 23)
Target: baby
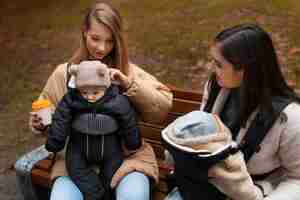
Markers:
point(195, 142)
point(98, 121)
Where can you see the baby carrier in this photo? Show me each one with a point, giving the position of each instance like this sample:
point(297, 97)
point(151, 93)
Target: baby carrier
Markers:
point(191, 165)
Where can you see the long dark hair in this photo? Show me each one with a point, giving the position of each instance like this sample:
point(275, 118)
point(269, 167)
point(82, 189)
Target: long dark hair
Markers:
point(250, 48)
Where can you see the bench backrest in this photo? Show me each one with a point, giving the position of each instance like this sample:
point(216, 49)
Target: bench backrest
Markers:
point(184, 101)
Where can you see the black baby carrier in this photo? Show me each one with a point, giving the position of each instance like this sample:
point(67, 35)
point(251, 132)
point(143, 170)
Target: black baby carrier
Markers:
point(191, 171)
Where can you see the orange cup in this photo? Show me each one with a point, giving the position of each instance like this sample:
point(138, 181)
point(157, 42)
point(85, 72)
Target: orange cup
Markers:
point(42, 108)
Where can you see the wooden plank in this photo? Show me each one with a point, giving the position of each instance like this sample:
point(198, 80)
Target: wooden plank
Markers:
point(184, 106)
point(153, 131)
point(46, 164)
point(150, 131)
point(157, 147)
point(191, 95)
point(41, 177)
point(170, 118)
point(43, 165)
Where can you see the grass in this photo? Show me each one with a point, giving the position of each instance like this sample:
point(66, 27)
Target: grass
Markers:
point(169, 36)
point(184, 28)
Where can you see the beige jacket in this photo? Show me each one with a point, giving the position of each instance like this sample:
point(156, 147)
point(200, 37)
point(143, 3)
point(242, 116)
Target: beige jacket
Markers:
point(280, 150)
point(151, 98)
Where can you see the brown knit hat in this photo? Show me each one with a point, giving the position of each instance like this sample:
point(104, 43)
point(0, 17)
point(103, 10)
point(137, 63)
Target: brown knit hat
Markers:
point(91, 73)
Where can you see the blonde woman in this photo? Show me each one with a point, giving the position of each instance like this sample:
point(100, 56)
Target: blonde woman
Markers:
point(102, 39)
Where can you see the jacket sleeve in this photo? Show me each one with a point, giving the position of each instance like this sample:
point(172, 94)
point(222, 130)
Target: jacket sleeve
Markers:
point(54, 90)
point(128, 124)
point(288, 186)
point(55, 87)
point(284, 182)
point(152, 99)
point(60, 126)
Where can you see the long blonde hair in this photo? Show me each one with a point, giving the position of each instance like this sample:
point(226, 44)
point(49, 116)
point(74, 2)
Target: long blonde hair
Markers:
point(103, 12)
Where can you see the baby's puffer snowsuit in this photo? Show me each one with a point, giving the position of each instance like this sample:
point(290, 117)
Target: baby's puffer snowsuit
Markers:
point(96, 133)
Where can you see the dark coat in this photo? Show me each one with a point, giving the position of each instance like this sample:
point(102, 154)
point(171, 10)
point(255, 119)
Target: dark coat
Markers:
point(112, 103)
point(85, 149)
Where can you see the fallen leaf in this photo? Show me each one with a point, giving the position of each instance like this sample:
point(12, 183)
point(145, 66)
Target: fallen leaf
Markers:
point(260, 19)
point(293, 51)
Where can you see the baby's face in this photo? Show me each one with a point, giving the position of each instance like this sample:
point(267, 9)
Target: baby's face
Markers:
point(92, 93)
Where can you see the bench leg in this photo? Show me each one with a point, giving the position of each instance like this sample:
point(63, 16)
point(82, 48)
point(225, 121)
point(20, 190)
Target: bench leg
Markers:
point(23, 168)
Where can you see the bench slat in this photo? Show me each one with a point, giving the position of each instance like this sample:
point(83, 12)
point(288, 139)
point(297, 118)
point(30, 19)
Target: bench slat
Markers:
point(157, 147)
point(191, 95)
point(41, 177)
point(150, 132)
point(44, 165)
point(184, 106)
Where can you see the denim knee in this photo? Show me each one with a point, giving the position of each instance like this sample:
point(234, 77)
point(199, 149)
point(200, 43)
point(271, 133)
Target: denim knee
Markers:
point(64, 188)
point(134, 186)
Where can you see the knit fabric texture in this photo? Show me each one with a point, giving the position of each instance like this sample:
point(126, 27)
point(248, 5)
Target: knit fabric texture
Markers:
point(91, 73)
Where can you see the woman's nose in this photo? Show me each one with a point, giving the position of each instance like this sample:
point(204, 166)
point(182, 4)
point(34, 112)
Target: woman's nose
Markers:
point(101, 46)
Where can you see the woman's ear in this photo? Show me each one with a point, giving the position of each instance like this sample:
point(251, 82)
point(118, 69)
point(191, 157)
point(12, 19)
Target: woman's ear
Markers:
point(73, 69)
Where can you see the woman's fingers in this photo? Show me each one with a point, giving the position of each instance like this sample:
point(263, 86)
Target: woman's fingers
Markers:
point(117, 75)
point(36, 121)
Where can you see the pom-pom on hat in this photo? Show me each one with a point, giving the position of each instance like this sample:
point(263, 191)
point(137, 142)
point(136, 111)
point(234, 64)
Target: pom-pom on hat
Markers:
point(91, 73)
point(198, 131)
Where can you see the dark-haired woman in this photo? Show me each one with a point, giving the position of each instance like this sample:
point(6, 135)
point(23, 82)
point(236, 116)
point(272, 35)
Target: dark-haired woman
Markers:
point(249, 93)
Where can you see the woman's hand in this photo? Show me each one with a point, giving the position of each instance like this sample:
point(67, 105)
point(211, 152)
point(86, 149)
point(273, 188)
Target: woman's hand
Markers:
point(35, 123)
point(231, 177)
point(122, 79)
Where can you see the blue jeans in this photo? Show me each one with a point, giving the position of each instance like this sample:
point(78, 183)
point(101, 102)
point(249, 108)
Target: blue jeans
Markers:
point(134, 186)
point(174, 195)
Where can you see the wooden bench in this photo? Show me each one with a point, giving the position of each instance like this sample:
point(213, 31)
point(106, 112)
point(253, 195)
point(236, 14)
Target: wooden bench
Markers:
point(183, 102)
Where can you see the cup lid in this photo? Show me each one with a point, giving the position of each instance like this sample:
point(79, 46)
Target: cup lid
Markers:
point(42, 103)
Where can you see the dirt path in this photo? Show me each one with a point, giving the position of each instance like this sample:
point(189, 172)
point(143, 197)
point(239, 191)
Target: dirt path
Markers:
point(8, 187)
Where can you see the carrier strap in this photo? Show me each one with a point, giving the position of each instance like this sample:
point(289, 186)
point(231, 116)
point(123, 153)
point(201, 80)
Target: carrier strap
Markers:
point(259, 127)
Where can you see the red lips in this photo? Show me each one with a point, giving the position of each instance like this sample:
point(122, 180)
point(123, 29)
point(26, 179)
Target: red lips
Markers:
point(99, 55)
